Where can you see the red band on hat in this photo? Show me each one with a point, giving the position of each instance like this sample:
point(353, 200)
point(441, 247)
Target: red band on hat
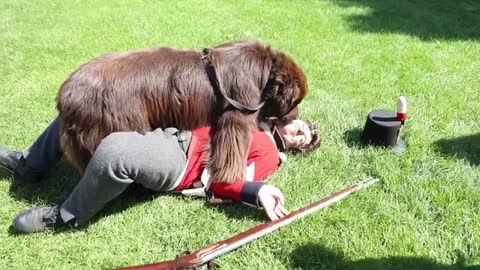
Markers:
point(401, 117)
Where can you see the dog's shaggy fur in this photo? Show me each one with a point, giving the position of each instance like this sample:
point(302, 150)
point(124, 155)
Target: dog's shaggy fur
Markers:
point(161, 87)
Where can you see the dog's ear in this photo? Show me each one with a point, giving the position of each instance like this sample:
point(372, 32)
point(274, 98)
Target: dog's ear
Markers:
point(274, 80)
point(293, 79)
point(285, 88)
point(293, 114)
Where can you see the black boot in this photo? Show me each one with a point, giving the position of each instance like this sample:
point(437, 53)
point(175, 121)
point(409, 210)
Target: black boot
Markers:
point(13, 162)
point(8, 160)
point(38, 219)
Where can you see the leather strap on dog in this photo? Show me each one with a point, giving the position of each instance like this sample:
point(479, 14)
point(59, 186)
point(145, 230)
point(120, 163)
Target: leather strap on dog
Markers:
point(212, 77)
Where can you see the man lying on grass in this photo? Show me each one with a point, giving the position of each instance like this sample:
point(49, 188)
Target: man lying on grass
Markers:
point(161, 160)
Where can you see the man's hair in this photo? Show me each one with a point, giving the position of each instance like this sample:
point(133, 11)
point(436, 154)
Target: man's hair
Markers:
point(314, 143)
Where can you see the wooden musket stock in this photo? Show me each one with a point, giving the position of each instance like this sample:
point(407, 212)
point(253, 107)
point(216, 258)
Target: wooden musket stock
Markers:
point(208, 254)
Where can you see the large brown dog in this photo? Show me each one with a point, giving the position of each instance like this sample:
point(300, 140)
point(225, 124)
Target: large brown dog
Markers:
point(161, 87)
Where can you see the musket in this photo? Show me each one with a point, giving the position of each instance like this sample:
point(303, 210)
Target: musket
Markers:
point(206, 255)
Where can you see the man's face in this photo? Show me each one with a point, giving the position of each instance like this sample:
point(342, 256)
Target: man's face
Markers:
point(296, 134)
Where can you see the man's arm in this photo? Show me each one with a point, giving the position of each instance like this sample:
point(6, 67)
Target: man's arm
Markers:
point(264, 160)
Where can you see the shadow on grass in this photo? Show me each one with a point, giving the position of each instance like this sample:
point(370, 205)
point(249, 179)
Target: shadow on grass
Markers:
point(314, 256)
point(52, 190)
point(352, 138)
point(428, 20)
point(56, 188)
point(132, 196)
point(466, 147)
point(239, 211)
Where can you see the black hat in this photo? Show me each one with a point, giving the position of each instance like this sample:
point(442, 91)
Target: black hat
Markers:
point(383, 129)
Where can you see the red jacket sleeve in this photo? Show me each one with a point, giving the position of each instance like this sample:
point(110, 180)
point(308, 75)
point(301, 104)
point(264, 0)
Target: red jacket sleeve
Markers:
point(264, 156)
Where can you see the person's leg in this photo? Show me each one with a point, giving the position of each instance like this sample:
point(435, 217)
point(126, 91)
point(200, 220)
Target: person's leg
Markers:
point(8, 160)
point(154, 160)
point(45, 152)
point(32, 165)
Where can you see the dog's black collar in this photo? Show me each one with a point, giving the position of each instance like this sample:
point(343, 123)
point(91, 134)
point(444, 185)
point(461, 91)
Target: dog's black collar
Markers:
point(212, 77)
point(277, 137)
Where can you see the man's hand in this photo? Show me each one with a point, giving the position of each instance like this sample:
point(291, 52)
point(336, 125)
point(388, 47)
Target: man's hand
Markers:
point(272, 201)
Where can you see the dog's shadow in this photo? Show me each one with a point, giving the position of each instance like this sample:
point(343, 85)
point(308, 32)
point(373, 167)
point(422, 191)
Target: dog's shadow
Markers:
point(132, 196)
point(56, 188)
point(52, 190)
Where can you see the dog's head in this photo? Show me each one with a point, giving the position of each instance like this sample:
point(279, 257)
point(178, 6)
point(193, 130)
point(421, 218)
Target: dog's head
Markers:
point(285, 89)
point(247, 65)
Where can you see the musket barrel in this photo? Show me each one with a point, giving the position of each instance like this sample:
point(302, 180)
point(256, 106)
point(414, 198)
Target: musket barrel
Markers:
point(205, 255)
point(248, 236)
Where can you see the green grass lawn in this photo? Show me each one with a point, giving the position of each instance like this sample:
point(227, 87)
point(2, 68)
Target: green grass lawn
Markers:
point(358, 56)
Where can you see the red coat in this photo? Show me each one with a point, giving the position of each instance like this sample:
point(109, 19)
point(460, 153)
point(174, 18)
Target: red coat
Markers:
point(263, 161)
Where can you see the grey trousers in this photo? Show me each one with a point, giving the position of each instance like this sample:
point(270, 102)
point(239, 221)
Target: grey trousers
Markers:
point(155, 160)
